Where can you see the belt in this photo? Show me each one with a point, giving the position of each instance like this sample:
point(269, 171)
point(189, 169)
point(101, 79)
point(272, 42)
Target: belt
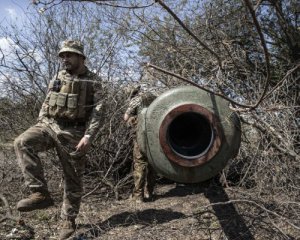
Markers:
point(68, 123)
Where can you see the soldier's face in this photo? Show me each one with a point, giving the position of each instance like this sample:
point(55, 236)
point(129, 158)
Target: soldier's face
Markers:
point(71, 61)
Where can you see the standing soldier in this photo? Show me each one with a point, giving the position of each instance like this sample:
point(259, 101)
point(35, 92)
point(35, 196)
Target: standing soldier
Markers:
point(143, 174)
point(68, 121)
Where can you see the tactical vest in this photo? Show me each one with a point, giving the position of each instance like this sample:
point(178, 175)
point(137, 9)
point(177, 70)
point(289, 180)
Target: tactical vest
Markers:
point(72, 100)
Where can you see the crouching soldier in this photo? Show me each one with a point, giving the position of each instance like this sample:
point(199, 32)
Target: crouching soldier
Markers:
point(68, 121)
point(143, 174)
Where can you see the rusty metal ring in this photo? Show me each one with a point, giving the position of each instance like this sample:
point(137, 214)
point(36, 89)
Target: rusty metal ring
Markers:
point(213, 146)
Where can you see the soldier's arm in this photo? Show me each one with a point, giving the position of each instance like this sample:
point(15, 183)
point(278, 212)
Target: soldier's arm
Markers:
point(97, 115)
point(44, 109)
point(132, 108)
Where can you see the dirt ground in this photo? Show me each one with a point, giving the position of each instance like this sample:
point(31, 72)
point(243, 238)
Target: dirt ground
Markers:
point(203, 211)
point(178, 212)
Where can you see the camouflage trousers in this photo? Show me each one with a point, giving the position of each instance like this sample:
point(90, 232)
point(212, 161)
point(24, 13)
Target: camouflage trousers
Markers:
point(143, 174)
point(44, 136)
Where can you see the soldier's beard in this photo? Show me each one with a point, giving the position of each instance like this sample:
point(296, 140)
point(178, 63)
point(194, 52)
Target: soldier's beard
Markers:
point(69, 67)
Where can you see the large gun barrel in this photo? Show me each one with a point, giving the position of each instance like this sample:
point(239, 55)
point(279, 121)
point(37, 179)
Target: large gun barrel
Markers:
point(188, 135)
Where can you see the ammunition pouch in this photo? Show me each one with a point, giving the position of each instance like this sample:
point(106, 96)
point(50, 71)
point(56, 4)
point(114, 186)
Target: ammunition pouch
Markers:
point(70, 102)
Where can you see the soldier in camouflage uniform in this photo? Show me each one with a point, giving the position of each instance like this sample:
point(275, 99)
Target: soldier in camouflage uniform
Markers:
point(143, 174)
point(68, 121)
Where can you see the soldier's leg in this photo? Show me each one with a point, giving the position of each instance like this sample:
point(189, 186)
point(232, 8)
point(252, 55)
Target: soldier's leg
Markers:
point(139, 171)
point(73, 189)
point(73, 169)
point(27, 145)
point(150, 182)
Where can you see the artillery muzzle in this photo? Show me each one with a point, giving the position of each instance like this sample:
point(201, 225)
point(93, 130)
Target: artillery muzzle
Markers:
point(188, 134)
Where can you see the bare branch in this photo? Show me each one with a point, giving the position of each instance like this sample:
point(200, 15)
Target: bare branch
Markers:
point(266, 52)
point(205, 46)
point(197, 85)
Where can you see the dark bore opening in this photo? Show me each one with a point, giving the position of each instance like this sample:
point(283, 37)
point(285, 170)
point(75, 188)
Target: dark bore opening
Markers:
point(190, 135)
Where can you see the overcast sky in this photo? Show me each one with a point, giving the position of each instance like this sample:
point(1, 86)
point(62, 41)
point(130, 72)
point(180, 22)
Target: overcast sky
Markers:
point(12, 10)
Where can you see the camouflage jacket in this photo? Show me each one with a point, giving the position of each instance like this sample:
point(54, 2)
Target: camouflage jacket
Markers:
point(140, 101)
point(75, 99)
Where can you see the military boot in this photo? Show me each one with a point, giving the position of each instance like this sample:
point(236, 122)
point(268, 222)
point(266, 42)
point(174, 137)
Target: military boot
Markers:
point(149, 195)
point(67, 228)
point(137, 197)
point(37, 200)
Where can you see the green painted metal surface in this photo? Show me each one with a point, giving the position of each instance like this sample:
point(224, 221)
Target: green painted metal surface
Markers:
point(152, 119)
